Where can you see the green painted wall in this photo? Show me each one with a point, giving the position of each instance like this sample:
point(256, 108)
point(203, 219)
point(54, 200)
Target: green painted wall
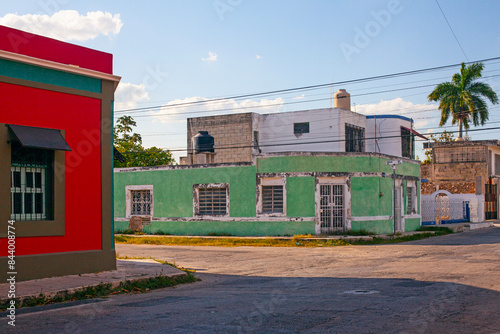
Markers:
point(332, 164)
point(412, 224)
point(238, 228)
point(173, 195)
point(300, 197)
point(366, 199)
point(375, 226)
point(173, 189)
point(48, 76)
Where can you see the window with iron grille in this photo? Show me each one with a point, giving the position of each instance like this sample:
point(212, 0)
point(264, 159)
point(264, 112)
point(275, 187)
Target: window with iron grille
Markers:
point(407, 144)
point(411, 200)
point(32, 184)
point(212, 201)
point(141, 202)
point(299, 128)
point(272, 199)
point(354, 138)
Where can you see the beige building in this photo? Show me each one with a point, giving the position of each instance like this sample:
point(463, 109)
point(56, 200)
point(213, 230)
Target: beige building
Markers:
point(466, 167)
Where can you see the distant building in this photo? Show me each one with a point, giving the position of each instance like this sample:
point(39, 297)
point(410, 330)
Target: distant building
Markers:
point(468, 171)
point(313, 171)
point(55, 156)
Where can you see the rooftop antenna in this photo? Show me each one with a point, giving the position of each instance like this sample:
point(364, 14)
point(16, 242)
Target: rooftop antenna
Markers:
point(331, 95)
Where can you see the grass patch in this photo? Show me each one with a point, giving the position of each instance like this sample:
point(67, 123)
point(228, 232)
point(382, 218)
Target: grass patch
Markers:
point(440, 230)
point(103, 290)
point(229, 242)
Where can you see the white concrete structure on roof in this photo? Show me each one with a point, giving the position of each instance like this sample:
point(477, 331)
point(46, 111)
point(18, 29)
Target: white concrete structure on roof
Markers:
point(240, 137)
point(387, 134)
point(319, 130)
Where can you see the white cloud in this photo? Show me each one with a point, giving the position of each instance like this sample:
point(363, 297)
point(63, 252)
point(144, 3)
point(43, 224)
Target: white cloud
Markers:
point(66, 25)
point(422, 114)
point(127, 95)
point(169, 113)
point(258, 57)
point(299, 97)
point(212, 56)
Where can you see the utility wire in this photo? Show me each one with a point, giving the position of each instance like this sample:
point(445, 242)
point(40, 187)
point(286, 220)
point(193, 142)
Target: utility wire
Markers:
point(449, 25)
point(296, 89)
point(308, 143)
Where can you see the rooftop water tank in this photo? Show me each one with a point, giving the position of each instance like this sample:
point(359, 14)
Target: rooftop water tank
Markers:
point(342, 99)
point(203, 142)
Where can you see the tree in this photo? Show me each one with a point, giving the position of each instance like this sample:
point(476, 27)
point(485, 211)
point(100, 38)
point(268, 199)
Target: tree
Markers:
point(443, 137)
point(463, 98)
point(130, 145)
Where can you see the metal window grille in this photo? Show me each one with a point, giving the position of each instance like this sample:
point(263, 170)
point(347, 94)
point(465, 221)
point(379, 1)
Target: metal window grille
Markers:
point(332, 207)
point(141, 202)
point(31, 183)
point(212, 201)
point(28, 193)
point(301, 128)
point(410, 200)
point(407, 144)
point(272, 199)
point(354, 138)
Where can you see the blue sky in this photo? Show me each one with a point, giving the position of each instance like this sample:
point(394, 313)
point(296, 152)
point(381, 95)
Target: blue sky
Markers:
point(181, 51)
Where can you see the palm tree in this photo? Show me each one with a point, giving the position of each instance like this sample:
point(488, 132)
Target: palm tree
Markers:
point(463, 98)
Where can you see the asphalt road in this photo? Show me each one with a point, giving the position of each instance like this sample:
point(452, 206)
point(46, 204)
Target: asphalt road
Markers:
point(448, 284)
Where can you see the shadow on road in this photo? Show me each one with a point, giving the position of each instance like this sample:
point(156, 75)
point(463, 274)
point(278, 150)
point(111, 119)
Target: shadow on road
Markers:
point(475, 237)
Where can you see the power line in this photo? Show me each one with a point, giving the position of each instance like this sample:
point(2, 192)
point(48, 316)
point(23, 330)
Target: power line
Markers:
point(449, 25)
point(297, 89)
point(308, 143)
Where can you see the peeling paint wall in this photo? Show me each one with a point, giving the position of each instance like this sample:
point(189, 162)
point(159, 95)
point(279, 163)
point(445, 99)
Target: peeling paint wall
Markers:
point(367, 180)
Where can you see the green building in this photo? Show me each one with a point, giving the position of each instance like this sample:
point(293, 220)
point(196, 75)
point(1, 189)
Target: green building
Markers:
point(285, 193)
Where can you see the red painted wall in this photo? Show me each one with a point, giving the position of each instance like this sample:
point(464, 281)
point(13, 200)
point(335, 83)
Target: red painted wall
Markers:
point(27, 44)
point(78, 116)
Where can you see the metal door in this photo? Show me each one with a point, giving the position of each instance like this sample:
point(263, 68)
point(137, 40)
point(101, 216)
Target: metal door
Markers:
point(399, 208)
point(331, 210)
point(490, 199)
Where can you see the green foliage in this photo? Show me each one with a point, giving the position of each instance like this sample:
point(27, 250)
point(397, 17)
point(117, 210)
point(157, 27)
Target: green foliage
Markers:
point(443, 137)
point(463, 98)
point(130, 145)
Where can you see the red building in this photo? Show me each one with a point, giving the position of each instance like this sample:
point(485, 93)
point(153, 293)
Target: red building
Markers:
point(56, 111)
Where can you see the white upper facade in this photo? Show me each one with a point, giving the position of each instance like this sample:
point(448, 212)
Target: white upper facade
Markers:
point(332, 130)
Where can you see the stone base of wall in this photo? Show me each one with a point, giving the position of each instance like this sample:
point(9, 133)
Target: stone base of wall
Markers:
point(454, 187)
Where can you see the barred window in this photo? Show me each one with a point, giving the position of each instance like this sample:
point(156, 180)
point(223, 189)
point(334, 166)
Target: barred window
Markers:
point(407, 144)
point(141, 202)
point(212, 201)
point(299, 128)
point(411, 198)
point(32, 183)
point(354, 138)
point(272, 199)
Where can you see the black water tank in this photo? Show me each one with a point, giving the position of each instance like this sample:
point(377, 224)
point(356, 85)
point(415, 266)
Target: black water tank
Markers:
point(203, 142)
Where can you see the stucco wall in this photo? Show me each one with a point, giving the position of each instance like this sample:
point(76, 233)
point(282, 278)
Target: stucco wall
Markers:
point(367, 179)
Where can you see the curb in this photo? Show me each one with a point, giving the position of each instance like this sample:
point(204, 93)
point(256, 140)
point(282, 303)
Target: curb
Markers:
point(66, 292)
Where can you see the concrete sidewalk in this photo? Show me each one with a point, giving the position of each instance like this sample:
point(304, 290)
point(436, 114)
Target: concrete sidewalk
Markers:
point(127, 270)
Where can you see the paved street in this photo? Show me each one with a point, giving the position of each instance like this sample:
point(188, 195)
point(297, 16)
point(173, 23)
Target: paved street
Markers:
point(448, 284)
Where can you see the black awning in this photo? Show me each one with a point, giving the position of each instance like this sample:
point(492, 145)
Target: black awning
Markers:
point(29, 136)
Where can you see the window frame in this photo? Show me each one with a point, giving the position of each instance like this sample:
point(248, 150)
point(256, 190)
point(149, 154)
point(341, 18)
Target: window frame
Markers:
point(196, 199)
point(270, 181)
point(53, 225)
point(301, 128)
point(354, 144)
point(128, 199)
point(411, 192)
